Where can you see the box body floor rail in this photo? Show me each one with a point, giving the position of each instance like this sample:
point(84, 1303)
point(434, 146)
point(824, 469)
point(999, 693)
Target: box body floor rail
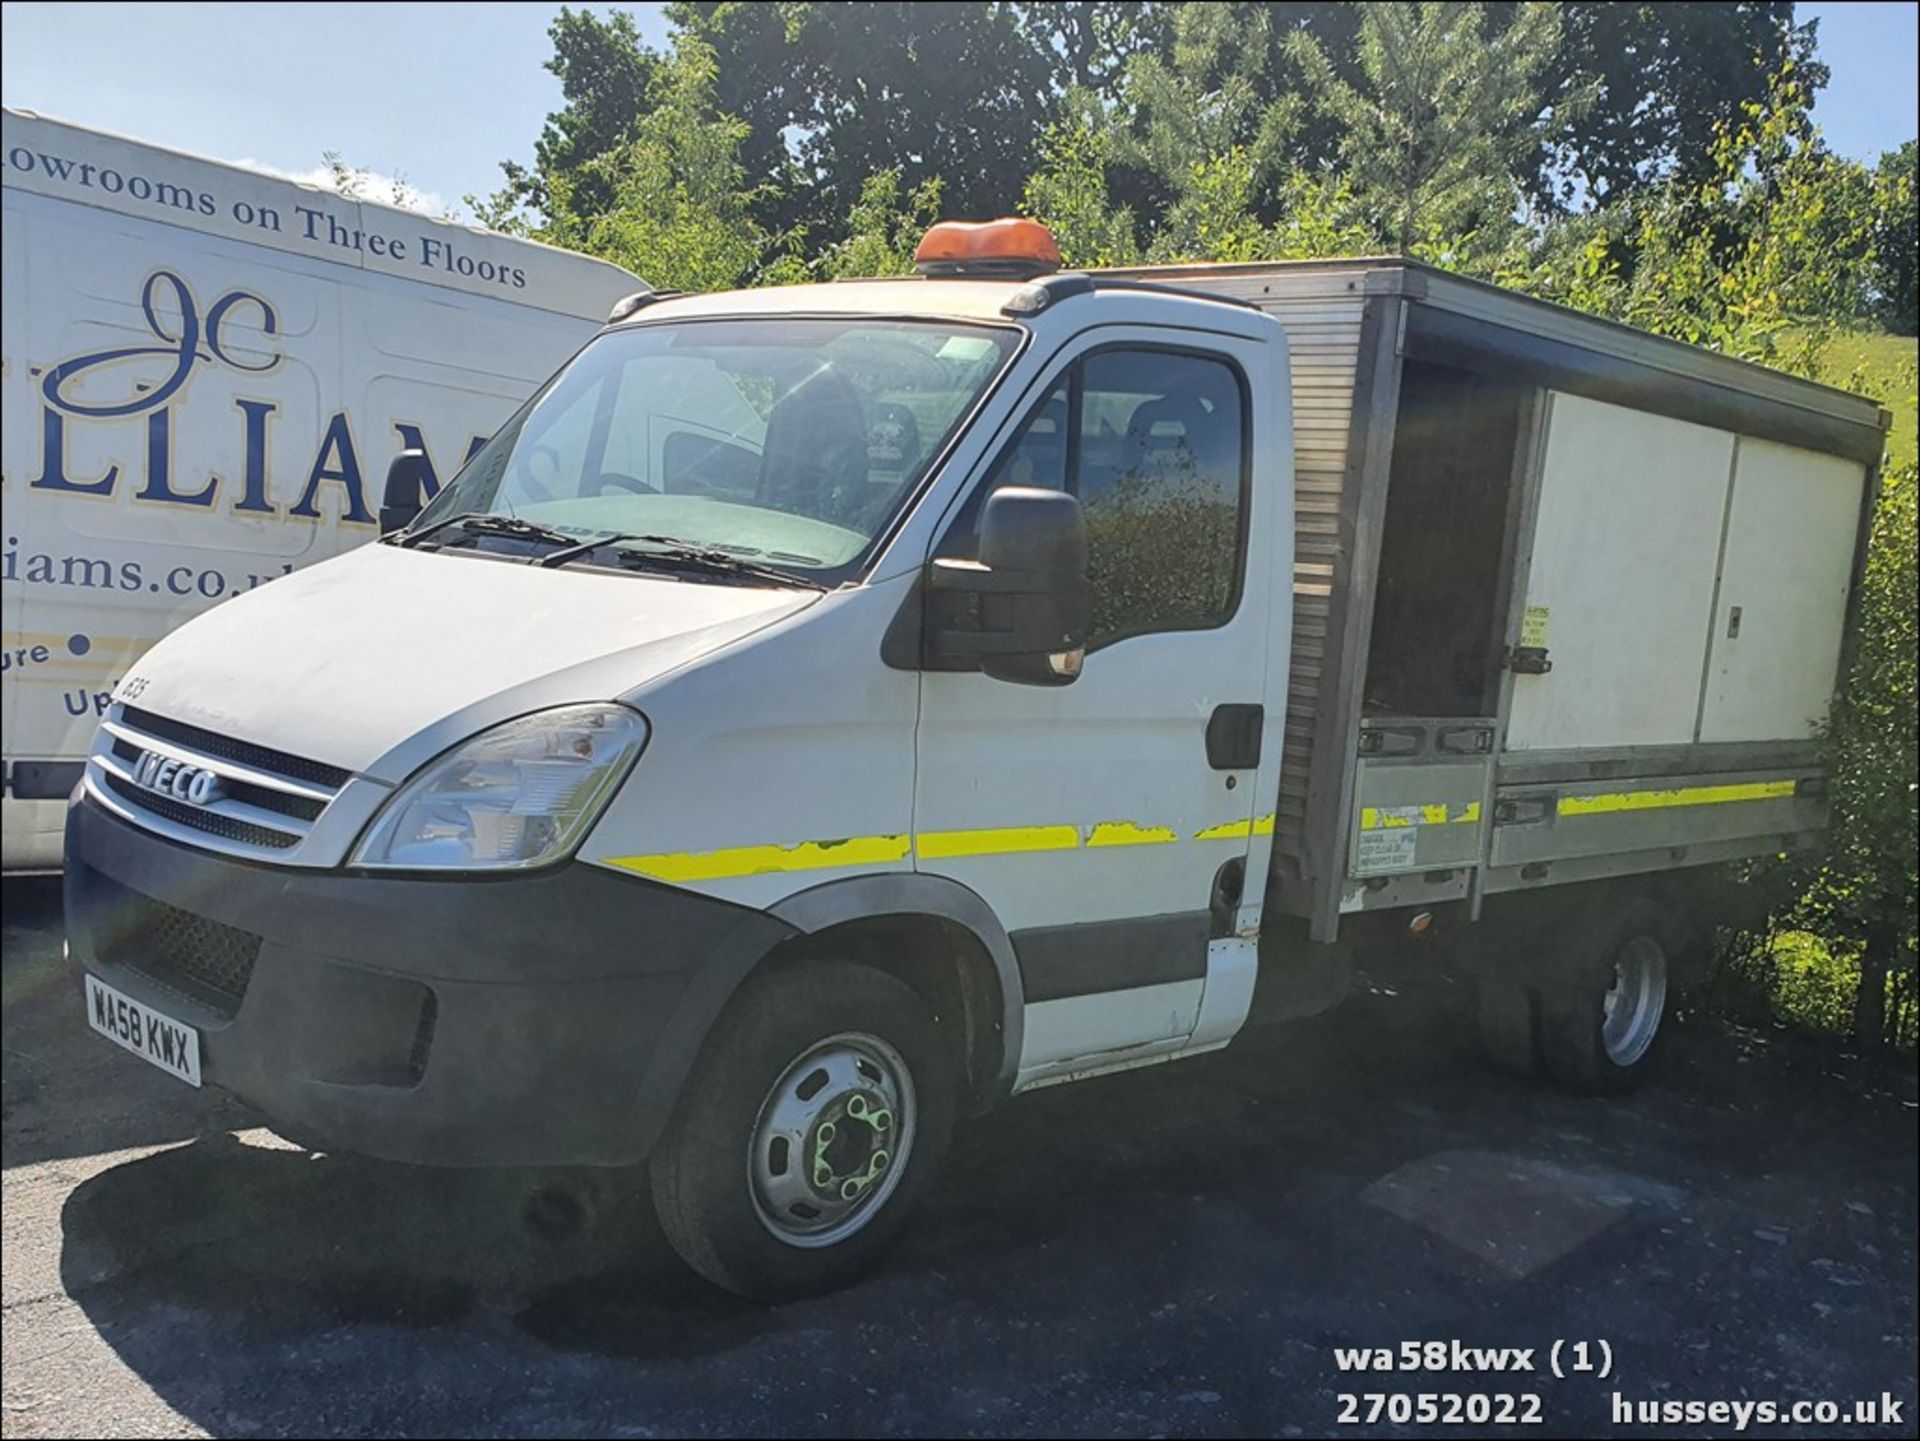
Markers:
point(848, 706)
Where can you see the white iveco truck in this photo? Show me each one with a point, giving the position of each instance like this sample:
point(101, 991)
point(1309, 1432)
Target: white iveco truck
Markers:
point(846, 706)
point(207, 370)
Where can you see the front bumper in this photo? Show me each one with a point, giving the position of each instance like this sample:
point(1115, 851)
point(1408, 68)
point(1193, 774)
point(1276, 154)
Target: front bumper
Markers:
point(542, 1019)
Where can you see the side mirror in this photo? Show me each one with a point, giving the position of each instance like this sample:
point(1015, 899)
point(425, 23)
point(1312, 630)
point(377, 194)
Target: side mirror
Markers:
point(1031, 583)
point(400, 502)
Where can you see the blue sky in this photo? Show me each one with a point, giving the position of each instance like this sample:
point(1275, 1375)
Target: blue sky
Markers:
point(440, 94)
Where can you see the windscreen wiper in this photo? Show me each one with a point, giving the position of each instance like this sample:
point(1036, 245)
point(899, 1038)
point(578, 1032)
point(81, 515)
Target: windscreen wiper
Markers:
point(672, 553)
point(487, 523)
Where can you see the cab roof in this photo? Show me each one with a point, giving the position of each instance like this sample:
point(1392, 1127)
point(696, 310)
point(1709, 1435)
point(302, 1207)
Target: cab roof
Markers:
point(969, 299)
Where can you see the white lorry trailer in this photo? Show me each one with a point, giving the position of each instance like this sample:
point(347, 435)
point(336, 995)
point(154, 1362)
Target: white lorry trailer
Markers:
point(850, 705)
point(205, 369)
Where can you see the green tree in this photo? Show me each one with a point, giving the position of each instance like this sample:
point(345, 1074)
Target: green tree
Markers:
point(1069, 195)
point(1199, 122)
point(677, 211)
point(1442, 111)
point(1656, 83)
point(1206, 133)
point(955, 91)
point(1864, 896)
point(883, 228)
point(1763, 257)
point(1894, 241)
point(606, 75)
point(1090, 43)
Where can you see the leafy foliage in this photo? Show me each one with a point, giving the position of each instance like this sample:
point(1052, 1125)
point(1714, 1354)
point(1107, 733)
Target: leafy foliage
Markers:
point(1895, 217)
point(1661, 81)
point(883, 229)
point(605, 78)
point(1440, 113)
point(1773, 244)
point(1868, 887)
point(677, 212)
point(1069, 194)
point(833, 93)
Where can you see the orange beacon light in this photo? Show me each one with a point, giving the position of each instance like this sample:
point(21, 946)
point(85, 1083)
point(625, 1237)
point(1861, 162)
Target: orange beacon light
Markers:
point(1011, 248)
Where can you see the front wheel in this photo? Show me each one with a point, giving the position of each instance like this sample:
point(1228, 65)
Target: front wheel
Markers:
point(816, 1116)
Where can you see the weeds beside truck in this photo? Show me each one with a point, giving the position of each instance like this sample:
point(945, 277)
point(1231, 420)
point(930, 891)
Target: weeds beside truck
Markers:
point(849, 706)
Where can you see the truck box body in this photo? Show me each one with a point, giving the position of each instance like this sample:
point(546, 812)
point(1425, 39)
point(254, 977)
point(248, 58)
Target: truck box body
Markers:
point(207, 371)
point(1479, 477)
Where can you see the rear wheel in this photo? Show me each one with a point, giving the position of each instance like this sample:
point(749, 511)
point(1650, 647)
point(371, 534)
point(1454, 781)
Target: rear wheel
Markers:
point(813, 1121)
point(1601, 1028)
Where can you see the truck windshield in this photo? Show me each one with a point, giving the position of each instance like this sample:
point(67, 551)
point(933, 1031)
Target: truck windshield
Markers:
point(787, 442)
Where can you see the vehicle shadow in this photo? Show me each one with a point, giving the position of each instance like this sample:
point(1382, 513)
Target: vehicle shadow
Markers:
point(1173, 1251)
point(252, 1224)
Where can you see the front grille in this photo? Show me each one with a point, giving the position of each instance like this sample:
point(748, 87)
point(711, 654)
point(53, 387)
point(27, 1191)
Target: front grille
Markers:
point(203, 960)
point(306, 808)
point(183, 814)
point(265, 802)
point(246, 752)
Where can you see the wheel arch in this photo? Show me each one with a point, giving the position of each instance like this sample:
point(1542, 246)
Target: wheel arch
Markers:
point(864, 913)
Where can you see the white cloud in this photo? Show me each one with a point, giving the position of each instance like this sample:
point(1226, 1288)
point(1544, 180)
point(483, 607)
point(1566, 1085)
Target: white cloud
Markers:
point(378, 188)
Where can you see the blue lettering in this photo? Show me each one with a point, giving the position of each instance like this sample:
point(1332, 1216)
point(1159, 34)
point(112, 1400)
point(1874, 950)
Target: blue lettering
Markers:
point(53, 469)
point(254, 494)
point(216, 317)
point(336, 462)
point(181, 349)
point(159, 462)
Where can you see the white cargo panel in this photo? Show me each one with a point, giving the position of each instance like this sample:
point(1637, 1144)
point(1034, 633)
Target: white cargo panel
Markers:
point(207, 372)
point(1620, 585)
point(1787, 568)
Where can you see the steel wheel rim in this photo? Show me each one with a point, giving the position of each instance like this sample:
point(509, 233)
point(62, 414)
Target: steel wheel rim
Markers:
point(832, 1140)
point(1636, 1002)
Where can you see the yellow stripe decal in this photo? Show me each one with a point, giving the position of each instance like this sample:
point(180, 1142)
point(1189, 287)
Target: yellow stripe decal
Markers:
point(762, 860)
point(737, 861)
point(1237, 830)
point(1381, 818)
point(996, 841)
point(1617, 801)
point(1126, 833)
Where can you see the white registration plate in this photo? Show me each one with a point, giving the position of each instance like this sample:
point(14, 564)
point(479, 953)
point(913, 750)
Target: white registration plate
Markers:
point(172, 1047)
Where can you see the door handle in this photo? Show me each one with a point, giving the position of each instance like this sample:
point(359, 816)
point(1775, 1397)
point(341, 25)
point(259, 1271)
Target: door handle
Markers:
point(1233, 736)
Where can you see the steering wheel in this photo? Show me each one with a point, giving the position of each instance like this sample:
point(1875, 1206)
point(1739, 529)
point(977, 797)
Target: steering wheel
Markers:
point(613, 479)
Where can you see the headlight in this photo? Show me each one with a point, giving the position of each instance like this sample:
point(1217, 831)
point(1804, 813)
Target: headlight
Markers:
point(521, 794)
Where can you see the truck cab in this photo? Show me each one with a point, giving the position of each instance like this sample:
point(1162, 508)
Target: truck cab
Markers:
point(818, 712)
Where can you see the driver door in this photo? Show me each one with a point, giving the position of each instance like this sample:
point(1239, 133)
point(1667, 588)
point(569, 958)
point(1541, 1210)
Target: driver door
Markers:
point(1109, 823)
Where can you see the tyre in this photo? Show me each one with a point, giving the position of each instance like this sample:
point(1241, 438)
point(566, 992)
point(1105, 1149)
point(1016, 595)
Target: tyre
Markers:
point(816, 1116)
point(1602, 1023)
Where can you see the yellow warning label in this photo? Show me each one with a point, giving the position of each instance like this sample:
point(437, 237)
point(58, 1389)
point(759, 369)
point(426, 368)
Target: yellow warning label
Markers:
point(1533, 626)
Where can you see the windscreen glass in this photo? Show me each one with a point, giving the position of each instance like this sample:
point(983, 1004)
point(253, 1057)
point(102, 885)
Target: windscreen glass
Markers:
point(787, 442)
